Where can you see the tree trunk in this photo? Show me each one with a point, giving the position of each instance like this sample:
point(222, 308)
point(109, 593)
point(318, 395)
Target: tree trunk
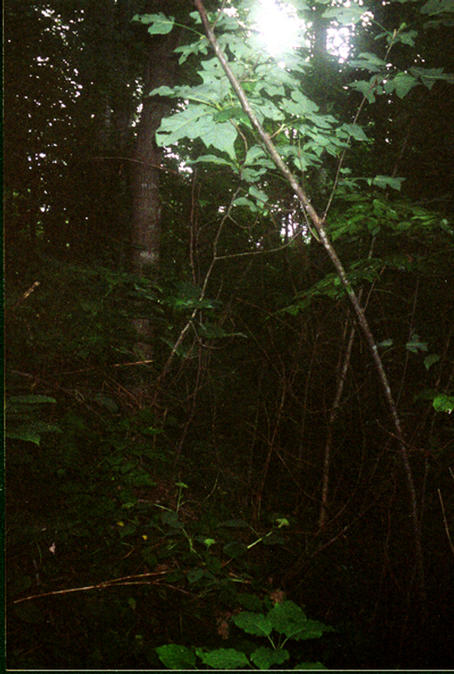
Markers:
point(146, 206)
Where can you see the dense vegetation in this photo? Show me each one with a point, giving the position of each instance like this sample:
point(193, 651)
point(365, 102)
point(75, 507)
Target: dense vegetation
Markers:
point(229, 381)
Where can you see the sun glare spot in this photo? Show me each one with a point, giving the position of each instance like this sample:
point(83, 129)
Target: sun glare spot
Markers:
point(278, 27)
point(338, 42)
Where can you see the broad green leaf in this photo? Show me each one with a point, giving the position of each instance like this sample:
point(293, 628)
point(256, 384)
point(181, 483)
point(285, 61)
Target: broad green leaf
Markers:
point(25, 435)
point(253, 623)
point(403, 83)
point(223, 658)
point(443, 403)
point(195, 16)
point(242, 201)
point(354, 130)
point(266, 109)
point(197, 121)
point(231, 112)
point(251, 175)
point(368, 89)
point(369, 61)
point(264, 658)
point(430, 360)
point(261, 196)
point(299, 105)
point(282, 522)
point(386, 181)
point(345, 15)
point(255, 154)
point(160, 24)
point(414, 344)
point(407, 38)
point(287, 618)
point(313, 629)
point(429, 76)
point(188, 49)
point(173, 656)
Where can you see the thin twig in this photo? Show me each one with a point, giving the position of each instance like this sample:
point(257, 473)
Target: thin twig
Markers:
point(26, 294)
point(445, 521)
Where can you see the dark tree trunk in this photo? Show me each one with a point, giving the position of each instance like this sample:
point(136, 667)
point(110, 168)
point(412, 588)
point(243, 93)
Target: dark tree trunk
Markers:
point(146, 207)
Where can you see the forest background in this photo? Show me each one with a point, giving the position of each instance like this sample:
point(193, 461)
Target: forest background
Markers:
point(229, 379)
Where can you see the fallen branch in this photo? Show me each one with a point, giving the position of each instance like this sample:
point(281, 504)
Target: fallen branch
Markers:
point(113, 582)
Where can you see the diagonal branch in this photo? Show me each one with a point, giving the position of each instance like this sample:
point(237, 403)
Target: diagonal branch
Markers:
point(319, 225)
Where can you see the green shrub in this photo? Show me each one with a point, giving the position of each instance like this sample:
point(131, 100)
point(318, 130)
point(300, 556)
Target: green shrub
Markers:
point(285, 621)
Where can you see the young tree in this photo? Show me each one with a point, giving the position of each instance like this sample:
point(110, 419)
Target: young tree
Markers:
point(249, 110)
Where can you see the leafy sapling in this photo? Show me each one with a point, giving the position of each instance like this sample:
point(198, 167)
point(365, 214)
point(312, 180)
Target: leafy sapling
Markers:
point(284, 622)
